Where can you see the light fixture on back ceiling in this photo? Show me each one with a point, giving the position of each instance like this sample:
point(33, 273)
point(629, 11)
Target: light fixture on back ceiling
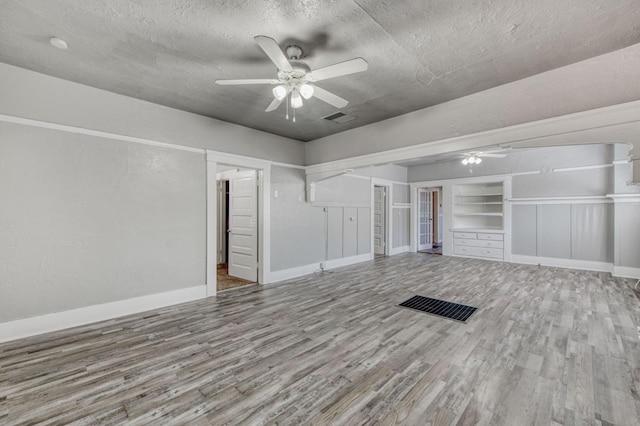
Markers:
point(471, 159)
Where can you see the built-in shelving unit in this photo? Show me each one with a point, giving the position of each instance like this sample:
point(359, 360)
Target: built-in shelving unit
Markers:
point(478, 206)
point(478, 220)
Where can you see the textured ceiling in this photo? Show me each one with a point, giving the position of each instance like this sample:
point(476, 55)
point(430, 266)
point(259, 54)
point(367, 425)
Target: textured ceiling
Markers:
point(420, 53)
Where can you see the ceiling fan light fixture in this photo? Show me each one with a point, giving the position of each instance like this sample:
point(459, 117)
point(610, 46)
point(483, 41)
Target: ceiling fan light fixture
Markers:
point(306, 90)
point(296, 99)
point(279, 92)
point(465, 161)
point(478, 160)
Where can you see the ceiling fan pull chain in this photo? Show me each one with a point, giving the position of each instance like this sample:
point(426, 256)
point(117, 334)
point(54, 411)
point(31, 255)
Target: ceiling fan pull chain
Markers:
point(294, 115)
point(287, 116)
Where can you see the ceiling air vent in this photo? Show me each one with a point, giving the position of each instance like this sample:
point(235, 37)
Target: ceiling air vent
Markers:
point(339, 117)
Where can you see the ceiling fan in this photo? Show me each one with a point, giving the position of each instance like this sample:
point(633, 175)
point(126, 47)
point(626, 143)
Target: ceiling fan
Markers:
point(475, 157)
point(295, 80)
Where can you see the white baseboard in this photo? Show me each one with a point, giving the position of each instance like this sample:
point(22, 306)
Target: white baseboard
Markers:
point(346, 261)
point(60, 320)
point(300, 271)
point(398, 250)
point(626, 272)
point(288, 274)
point(586, 265)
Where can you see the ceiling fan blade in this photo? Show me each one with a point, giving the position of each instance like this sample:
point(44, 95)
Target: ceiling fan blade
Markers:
point(273, 51)
point(247, 81)
point(343, 68)
point(273, 105)
point(329, 97)
point(492, 155)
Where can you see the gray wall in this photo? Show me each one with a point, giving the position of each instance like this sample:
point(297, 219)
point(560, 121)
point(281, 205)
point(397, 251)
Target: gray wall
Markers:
point(573, 88)
point(37, 96)
point(85, 220)
point(400, 223)
point(567, 230)
point(349, 232)
point(401, 194)
point(387, 171)
point(627, 239)
point(344, 190)
point(337, 225)
point(518, 161)
point(564, 231)
point(297, 229)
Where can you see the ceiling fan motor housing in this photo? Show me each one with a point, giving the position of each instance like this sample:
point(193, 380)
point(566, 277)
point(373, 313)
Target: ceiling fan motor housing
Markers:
point(293, 52)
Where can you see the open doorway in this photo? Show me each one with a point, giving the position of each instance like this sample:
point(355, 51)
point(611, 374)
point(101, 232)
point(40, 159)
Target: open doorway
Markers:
point(237, 234)
point(430, 220)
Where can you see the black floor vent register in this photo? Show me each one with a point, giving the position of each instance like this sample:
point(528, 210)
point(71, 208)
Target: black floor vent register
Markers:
point(454, 311)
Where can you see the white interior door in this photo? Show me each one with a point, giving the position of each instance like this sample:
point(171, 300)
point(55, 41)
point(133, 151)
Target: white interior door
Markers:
point(379, 219)
point(243, 220)
point(425, 212)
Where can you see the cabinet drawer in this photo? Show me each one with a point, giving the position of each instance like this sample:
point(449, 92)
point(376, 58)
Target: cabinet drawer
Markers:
point(479, 243)
point(492, 253)
point(467, 235)
point(496, 237)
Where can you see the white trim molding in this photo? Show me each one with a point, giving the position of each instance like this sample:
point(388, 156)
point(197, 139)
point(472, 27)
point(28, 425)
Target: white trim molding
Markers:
point(398, 250)
point(18, 329)
point(586, 265)
point(591, 126)
point(388, 216)
point(626, 272)
point(98, 133)
point(264, 213)
point(625, 198)
point(299, 271)
point(578, 168)
point(589, 199)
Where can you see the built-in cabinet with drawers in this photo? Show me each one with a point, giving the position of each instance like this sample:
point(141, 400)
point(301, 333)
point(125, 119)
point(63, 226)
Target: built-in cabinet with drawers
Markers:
point(478, 220)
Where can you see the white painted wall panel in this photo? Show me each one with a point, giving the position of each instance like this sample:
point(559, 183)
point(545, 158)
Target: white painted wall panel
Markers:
point(590, 232)
point(628, 234)
point(524, 238)
point(364, 230)
point(554, 231)
point(334, 233)
point(350, 232)
point(400, 227)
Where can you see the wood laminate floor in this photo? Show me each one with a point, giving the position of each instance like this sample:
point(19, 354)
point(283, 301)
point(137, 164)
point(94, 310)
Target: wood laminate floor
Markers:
point(547, 346)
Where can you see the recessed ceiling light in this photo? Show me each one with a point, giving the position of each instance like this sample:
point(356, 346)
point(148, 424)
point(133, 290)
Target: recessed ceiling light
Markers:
point(58, 42)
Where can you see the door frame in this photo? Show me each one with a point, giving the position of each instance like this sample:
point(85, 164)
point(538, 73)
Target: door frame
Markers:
point(387, 214)
point(263, 168)
point(429, 193)
point(385, 195)
point(435, 211)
